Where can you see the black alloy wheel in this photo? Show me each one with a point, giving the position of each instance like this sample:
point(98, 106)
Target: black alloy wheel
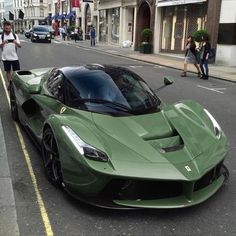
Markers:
point(13, 104)
point(51, 158)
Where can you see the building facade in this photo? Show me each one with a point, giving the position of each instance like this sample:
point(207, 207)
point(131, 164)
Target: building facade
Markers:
point(226, 42)
point(178, 19)
point(35, 12)
point(122, 20)
point(2, 11)
point(19, 23)
point(87, 16)
point(9, 10)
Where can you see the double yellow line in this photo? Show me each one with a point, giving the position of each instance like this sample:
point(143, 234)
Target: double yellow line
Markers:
point(43, 211)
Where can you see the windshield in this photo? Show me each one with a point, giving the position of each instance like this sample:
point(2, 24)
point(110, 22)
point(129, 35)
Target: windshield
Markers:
point(41, 29)
point(118, 89)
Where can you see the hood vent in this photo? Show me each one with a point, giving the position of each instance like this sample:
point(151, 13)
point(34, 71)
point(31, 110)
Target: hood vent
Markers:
point(168, 144)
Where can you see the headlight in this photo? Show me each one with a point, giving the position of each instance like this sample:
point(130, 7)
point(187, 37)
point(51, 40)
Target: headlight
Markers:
point(35, 35)
point(216, 126)
point(48, 35)
point(84, 148)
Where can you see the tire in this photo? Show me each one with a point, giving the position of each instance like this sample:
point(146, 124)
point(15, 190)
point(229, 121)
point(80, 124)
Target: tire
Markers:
point(13, 104)
point(51, 158)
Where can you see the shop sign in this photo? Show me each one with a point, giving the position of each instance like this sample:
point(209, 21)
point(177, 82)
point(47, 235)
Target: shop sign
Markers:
point(164, 3)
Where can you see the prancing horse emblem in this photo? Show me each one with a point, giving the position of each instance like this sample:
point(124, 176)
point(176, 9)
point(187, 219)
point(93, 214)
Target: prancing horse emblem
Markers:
point(188, 168)
point(62, 110)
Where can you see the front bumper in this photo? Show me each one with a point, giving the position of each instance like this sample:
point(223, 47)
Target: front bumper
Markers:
point(134, 193)
point(41, 38)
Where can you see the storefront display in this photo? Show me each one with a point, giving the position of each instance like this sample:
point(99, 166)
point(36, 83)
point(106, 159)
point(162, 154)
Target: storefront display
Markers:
point(178, 23)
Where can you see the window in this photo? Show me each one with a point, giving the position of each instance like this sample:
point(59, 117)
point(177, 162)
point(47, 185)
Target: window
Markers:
point(72, 96)
point(41, 12)
point(55, 85)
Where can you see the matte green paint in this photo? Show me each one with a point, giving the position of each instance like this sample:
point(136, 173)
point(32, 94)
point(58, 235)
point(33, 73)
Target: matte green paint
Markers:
point(133, 144)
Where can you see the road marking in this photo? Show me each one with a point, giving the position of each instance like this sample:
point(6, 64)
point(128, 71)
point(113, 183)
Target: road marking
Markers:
point(158, 66)
point(43, 211)
point(56, 42)
point(217, 90)
point(135, 66)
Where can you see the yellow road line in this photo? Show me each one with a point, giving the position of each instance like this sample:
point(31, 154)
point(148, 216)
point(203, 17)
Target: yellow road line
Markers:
point(43, 211)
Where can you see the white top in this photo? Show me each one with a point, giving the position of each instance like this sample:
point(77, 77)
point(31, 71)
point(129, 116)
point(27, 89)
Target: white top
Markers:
point(76, 31)
point(9, 49)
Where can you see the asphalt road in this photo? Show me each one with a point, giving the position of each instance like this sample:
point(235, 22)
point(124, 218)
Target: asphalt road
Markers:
point(67, 216)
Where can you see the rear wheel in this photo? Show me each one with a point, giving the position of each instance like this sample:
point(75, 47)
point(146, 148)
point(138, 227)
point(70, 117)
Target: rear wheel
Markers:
point(13, 104)
point(51, 158)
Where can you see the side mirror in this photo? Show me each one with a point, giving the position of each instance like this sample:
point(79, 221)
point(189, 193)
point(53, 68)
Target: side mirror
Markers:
point(34, 89)
point(168, 81)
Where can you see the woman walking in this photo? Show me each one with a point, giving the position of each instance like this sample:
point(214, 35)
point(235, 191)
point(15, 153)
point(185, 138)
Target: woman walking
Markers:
point(190, 56)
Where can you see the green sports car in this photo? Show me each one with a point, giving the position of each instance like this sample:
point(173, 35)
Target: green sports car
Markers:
point(109, 140)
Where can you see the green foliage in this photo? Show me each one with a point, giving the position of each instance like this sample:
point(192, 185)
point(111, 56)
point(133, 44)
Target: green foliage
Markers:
point(146, 35)
point(71, 28)
point(199, 34)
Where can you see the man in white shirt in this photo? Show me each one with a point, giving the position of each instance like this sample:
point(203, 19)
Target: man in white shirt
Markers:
point(9, 42)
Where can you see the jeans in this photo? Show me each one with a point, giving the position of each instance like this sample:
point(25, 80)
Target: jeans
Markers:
point(204, 66)
point(92, 41)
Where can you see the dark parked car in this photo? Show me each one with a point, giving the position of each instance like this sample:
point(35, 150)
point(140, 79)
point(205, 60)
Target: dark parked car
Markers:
point(28, 33)
point(40, 33)
point(51, 30)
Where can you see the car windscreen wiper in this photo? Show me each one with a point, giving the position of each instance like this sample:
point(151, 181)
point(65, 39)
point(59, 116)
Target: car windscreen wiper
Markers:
point(107, 102)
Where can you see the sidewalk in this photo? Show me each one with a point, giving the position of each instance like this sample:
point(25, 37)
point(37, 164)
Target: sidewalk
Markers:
point(171, 61)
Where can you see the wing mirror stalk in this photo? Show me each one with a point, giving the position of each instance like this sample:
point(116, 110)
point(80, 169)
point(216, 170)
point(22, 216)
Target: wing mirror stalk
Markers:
point(167, 81)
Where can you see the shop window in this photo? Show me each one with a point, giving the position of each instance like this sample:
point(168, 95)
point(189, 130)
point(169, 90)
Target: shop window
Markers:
point(103, 25)
point(227, 34)
point(178, 23)
point(115, 21)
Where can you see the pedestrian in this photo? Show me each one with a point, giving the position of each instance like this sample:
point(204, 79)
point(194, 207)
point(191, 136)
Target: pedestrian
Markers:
point(190, 56)
point(76, 33)
point(63, 34)
point(92, 35)
point(9, 42)
point(80, 33)
point(204, 56)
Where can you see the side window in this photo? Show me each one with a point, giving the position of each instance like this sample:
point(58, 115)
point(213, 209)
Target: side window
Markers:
point(55, 85)
point(72, 96)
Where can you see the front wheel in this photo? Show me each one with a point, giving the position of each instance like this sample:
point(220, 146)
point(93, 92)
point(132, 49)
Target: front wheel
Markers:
point(51, 158)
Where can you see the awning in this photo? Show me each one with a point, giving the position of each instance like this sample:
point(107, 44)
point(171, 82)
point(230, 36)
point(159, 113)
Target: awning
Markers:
point(165, 3)
point(55, 17)
point(60, 17)
point(11, 16)
point(21, 14)
point(47, 18)
point(70, 15)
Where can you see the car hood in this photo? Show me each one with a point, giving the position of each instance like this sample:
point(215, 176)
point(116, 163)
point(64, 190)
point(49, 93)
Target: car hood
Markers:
point(177, 138)
point(41, 33)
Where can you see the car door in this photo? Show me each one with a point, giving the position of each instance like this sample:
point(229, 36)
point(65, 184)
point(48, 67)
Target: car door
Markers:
point(47, 103)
